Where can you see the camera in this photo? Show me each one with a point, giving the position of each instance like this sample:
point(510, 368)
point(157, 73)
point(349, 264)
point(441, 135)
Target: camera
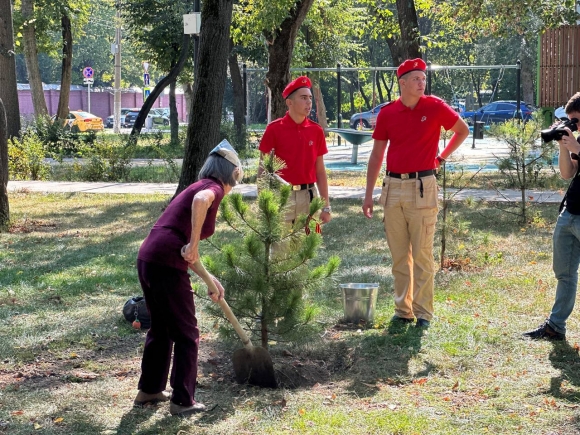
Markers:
point(557, 132)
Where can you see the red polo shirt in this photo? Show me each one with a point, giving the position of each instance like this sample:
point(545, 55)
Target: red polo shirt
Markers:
point(413, 134)
point(299, 145)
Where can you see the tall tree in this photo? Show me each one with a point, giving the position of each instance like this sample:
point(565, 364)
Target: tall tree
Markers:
point(281, 42)
point(66, 70)
point(155, 29)
point(409, 26)
point(8, 88)
point(31, 57)
point(4, 205)
point(208, 89)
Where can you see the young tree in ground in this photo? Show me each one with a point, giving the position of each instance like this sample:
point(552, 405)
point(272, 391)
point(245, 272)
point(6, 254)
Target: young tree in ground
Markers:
point(4, 205)
point(205, 113)
point(526, 160)
point(267, 275)
point(8, 88)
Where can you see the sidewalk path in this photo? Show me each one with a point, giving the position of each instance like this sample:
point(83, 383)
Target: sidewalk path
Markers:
point(249, 190)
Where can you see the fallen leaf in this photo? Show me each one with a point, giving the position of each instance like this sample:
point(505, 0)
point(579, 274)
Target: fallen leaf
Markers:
point(58, 420)
point(455, 386)
point(420, 381)
point(301, 411)
point(369, 385)
point(37, 426)
point(17, 412)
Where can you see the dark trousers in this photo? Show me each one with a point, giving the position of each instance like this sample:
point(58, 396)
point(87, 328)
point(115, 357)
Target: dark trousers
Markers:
point(173, 325)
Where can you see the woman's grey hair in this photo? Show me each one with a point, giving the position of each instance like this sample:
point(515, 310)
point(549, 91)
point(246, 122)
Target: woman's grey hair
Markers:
point(218, 167)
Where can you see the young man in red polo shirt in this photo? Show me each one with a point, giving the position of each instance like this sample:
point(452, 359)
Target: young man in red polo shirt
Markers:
point(300, 142)
point(411, 125)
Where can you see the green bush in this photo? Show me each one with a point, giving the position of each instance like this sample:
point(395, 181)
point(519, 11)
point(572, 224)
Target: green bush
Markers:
point(26, 158)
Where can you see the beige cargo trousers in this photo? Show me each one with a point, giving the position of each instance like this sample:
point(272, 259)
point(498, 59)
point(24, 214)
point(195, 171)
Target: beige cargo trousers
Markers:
point(410, 216)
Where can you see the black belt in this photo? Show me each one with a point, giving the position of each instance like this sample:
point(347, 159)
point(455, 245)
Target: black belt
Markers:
point(302, 186)
point(412, 174)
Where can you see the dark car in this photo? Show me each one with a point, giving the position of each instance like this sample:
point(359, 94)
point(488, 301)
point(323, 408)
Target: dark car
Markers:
point(368, 119)
point(157, 115)
point(499, 111)
point(110, 121)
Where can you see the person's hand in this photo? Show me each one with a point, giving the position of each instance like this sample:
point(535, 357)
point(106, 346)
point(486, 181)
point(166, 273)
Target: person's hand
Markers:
point(367, 207)
point(569, 142)
point(325, 217)
point(216, 296)
point(190, 253)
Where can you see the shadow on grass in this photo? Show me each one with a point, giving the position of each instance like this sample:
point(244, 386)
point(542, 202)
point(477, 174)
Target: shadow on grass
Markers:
point(565, 358)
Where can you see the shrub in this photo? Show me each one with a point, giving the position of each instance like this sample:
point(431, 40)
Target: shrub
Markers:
point(26, 158)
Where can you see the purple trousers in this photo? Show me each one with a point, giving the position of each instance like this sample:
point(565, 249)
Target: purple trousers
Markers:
point(173, 326)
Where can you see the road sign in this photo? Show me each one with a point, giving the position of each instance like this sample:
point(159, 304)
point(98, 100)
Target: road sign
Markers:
point(146, 66)
point(88, 81)
point(146, 92)
point(146, 79)
point(88, 72)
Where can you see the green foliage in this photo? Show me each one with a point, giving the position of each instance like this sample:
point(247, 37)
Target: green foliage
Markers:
point(267, 274)
point(528, 156)
point(26, 158)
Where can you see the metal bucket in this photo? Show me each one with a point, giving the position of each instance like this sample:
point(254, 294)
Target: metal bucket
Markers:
point(359, 301)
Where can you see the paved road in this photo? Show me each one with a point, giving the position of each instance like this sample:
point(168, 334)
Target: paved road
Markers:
point(250, 190)
point(478, 152)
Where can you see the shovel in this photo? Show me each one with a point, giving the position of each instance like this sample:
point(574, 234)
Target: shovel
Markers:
point(251, 364)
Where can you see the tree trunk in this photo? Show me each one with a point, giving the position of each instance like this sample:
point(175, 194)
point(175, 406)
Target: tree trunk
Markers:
point(238, 88)
point(31, 58)
point(8, 88)
point(208, 89)
point(173, 118)
point(409, 26)
point(280, 49)
point(363, 95)
point(528, 76)
point(159, 87)
point(66, 71)
point(188, 93)
point(4, 206)
point(379, 89)
point(397, 53)
point(320, 106)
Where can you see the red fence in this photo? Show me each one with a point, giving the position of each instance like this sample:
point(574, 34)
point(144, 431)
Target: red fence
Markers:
point(559, 65)
point(102, 103)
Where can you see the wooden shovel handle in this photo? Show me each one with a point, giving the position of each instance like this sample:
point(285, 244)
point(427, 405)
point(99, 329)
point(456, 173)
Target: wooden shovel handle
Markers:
point(202, 272)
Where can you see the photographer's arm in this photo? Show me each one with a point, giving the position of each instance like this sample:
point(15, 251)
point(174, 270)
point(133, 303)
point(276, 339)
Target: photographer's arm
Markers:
point(568, 165)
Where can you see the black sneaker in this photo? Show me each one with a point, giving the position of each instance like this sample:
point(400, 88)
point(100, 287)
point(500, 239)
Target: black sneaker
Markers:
point(423, 323)
point(544, 331)
point(397, 319)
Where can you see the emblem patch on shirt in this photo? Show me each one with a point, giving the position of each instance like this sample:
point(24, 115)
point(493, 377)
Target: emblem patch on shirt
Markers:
point(310, 143)
point(423, 119)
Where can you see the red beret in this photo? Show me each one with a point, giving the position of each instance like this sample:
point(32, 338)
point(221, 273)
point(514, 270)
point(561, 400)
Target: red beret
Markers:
point(298, 83)
point(411, 65)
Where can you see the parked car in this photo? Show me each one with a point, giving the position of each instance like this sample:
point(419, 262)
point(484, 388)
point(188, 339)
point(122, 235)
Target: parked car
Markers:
point(499, 111)
point(109, 123)
point(561, 114)
point(79, 121)
point(368, 119)
point(156, 114)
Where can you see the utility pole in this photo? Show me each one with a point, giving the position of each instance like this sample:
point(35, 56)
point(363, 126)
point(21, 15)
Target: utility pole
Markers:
point(117, 53)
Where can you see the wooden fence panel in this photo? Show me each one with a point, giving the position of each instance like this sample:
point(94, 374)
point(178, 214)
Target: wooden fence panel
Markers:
point(559, 65)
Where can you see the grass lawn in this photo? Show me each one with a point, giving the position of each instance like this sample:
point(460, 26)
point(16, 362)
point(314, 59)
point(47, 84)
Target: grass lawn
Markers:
point(69, 363)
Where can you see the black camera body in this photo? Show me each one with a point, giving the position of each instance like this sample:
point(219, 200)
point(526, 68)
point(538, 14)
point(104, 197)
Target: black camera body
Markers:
point(558, 132)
